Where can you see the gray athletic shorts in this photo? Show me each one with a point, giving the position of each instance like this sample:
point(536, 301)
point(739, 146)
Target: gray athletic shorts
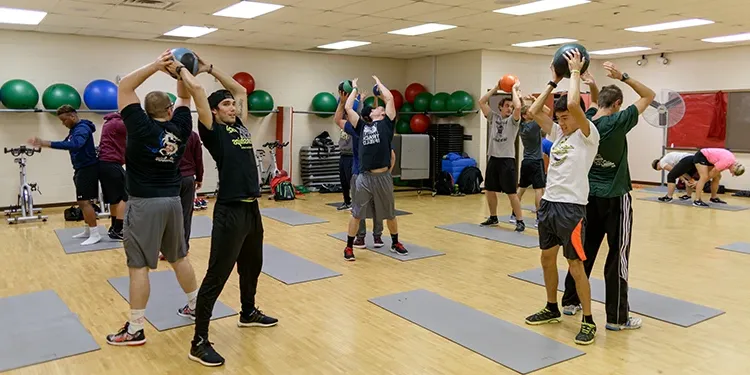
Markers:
point(374, 196)
point(153, 225)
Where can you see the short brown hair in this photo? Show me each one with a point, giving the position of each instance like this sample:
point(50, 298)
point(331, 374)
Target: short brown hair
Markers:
point(157, 104)
point(655, 164)
point(609, 95)
point(525, 109)
point(65, 109)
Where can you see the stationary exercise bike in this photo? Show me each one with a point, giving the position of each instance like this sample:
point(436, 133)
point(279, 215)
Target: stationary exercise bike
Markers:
point(267, 175)
point(25, 205)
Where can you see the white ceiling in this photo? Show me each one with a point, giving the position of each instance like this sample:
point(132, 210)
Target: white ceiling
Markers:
point(305, 24)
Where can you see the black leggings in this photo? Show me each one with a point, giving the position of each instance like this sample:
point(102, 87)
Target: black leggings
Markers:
point(684, 166)
point(236, 237)
point(345, 176)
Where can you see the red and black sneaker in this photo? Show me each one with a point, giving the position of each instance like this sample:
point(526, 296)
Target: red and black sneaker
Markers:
point(349, 254)
point(399, 249)
point(359, 243)
point(186, 312)
point(378, 241)
point(124, 338)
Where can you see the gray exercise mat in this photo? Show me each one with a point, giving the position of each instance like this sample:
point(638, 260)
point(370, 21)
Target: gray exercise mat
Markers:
point(655, 189)
point(73, 245)
point(415, 251)
point(201, 226)
point(529, 208)
point(290, 217)
point(740, 247)
point(689, 202)
point(514, 347)
point(39, 327)
point(398, 212)
point(292, 269)
point(499, 234)
point(166, 298)
point(666, 309)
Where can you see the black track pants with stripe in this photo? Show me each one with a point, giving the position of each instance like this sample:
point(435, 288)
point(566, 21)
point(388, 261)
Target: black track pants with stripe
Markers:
point(612, 217)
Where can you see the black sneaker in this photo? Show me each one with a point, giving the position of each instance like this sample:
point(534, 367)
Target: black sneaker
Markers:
point(665, 199)
point(399, 249)
point(490, 222)
point(520, 226)
point(700, 203)
point(344, 207)
point(586, 335)
point(544, 316)
point(359, 243)
point(717, 200)
point(349, 254)
point(114, 234)
point(685, 197)
point(203, 352)
point(186, 312)
point(124, 338)
point(256, 319)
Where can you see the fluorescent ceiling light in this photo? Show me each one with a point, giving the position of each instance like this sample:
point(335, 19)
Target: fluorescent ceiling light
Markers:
point(422, 29)
point(344, 44)
point(21, 16)
point(540, 6)
point(248, 9)
point(190, 31)
point(728, 38)
point(615, 51)
point(671, 25)
point(546, 42)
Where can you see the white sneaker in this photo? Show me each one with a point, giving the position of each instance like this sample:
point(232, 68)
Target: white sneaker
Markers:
point(93, 238)
point(85, 234)
point(512, 219)
point(632, 323)
point(572, 309)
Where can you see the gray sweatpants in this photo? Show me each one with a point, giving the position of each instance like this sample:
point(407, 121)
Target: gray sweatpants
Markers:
point(377, 225)
point(153, 225)
point(374, 196)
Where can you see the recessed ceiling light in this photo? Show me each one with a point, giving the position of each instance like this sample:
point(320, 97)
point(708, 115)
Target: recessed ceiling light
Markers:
point(190, 31)
point(422, 29)
point(21, 16)
point(546, 42)
point(728, 38)
point(248, 9)
point(344, 44)
point(615, 51)
point(670, 25)
point(540, 6)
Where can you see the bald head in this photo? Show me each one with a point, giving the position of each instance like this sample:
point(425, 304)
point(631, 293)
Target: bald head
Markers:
point(158, 105)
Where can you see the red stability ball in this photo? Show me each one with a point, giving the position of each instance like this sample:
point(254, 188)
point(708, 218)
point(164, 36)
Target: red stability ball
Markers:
point(419, 124)
point(398, 99)
point(412, 91)
point(246, 80)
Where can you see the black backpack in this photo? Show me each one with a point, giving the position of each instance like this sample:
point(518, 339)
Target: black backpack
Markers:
point(444, 183)
point(284, 191)
point(470, 180)
point(73, 213)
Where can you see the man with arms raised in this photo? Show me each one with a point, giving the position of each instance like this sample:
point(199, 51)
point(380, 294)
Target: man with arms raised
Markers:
point(153, 215)
point(609, 211)
point(562, 213)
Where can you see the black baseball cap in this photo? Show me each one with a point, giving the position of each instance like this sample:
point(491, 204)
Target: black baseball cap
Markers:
point(217, 97)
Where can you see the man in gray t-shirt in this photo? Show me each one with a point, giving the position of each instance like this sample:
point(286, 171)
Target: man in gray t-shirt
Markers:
point(532, 166)
point(501, 176)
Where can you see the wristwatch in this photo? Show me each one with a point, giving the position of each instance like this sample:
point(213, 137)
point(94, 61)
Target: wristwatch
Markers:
point(625, 77)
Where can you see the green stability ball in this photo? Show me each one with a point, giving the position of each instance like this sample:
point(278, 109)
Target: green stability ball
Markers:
point(19, 94)
point(403, 127)
point(460, 101)
point(260, 100)
point(406, 117)
point(439, 103)
point(172, 97)
point(61, 94)
point(561, 64)
point(346, 86)
point(370, 101)
point(422, 102)
point(324, 102)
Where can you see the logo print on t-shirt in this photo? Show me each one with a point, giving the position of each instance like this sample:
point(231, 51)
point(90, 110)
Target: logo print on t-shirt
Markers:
point(370, 135)
point(599, 161)
point(499, 128)
point(169, 145)
point(559, 152)
point(240, 137)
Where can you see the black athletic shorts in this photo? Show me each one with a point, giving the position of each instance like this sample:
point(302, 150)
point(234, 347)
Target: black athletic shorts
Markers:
point(684, 166)
point(562, 224)
point(86, 180)
point(112, 177)
point(501, 175)
point(699, 158)
point(532, 173)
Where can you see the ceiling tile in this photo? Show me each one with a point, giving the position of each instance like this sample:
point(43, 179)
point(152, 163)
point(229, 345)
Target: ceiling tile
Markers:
point(329, 4)
point(443, 16)
point(417, 9)
point(79, 8)
point(375, 7)
point(44, 5)
point(291, 14)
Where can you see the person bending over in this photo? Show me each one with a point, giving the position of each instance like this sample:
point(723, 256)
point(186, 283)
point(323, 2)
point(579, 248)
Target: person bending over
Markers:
point(501, 175)
point(609, 211)
point(153, 215)
point(111, 172)
point(679, 165)
point(562, 213)
point(532, 166)
point(80, 145)
point(710, 162)
point(374, 184)
point(237, 236)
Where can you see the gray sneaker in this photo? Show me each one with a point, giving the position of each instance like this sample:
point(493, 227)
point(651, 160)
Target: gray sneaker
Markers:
point(632, 323)
point(572, 309)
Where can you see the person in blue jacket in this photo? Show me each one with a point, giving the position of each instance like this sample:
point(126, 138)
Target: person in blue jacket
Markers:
point(546, 147)
point(80, 145)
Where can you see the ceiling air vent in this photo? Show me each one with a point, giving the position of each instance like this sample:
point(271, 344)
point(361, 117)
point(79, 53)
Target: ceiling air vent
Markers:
point(151, 4)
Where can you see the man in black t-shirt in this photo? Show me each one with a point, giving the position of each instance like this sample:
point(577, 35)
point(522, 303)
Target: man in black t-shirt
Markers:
point(237, 235)
point(153, 215)
point(374, 184)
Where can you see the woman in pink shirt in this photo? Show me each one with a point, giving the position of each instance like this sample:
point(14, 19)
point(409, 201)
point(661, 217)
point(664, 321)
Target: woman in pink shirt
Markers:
point(710, 162)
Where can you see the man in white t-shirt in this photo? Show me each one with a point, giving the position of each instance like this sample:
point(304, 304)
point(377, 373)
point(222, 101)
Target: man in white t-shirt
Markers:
point(562, 213)
point(680, 165)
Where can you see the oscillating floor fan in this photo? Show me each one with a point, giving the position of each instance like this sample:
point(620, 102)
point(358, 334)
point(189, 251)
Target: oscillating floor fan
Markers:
point(665, 111)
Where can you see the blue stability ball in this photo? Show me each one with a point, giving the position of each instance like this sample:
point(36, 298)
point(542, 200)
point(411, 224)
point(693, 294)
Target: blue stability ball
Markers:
point(101, 95)
point(376, 90)
point(187, 58)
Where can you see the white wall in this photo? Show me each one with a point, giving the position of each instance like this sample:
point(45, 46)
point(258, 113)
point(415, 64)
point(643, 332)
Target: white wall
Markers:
point(43, 59)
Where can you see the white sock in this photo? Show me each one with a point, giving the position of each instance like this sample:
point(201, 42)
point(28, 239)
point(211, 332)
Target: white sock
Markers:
point(137, 320)
point(84, 234)
point(94, 237)
point(192, 299)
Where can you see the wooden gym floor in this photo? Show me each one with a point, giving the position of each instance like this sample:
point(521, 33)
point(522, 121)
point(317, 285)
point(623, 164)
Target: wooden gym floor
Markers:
point(329, 327)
